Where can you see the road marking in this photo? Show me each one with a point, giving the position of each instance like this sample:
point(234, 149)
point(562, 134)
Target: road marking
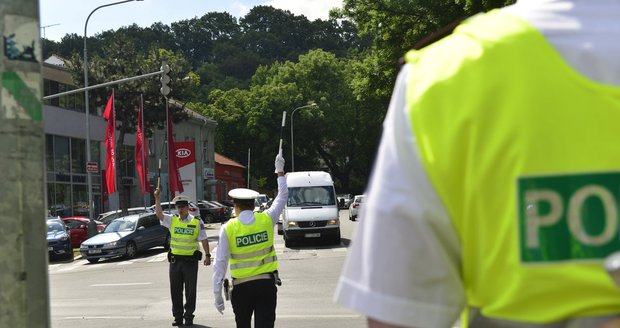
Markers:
point(100, 317)
point(122, 284)
point(326, 316)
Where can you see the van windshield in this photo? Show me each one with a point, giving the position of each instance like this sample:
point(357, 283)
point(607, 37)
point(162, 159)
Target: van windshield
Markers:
point(311, 196)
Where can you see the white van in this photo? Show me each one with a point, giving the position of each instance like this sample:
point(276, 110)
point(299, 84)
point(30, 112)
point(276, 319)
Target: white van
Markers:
point(311, 210)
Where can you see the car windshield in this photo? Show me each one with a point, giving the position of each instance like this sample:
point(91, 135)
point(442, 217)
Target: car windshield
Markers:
point(54, 227)
point(119, 225)
point(310, 196)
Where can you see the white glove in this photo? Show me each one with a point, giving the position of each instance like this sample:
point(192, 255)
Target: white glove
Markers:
point(279, 162)
point(219, 303)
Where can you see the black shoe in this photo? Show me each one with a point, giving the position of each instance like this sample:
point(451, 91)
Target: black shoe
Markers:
point(177, 322)
point(189, 322)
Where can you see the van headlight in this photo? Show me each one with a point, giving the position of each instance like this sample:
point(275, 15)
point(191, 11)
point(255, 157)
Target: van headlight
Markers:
point(333, 222)
point(292, 223)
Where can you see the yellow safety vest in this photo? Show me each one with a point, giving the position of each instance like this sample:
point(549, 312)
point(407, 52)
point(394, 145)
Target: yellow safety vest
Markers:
point(184, 236)
point(251, 247)
point(525, 155)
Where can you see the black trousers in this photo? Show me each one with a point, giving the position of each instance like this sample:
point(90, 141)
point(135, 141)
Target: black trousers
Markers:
point(183, 273)
point(258, 297)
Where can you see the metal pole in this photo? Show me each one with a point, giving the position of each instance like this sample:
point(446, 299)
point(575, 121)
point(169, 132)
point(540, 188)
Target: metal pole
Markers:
point(168, 150)
point(24, 292)
point(87, 109)
point(292, 154)
point(249, 149)
point(144, 168)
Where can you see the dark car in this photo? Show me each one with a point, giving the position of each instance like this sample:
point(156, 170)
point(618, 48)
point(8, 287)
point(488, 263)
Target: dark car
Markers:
point(230, 205)
point(126, 236)
point(212, 211)
point(78, 226)
point(58, 239)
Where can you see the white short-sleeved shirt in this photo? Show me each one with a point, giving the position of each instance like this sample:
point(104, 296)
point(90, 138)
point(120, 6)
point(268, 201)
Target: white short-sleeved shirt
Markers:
point(246, 217)
point(403, 263)
point(167, 221)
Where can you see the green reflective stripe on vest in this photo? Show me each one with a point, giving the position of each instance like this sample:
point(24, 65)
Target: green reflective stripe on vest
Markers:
point(494, 104)
point(184, 236)
point(242, 265)
point(251, 246)
point(253, 254)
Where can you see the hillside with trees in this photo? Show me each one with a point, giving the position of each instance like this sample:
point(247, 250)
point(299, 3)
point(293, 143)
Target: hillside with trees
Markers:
point(245, 72)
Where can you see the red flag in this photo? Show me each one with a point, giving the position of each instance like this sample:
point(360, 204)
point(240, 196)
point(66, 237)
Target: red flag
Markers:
point(142, 156)
point(110, 158)
point(173, 167)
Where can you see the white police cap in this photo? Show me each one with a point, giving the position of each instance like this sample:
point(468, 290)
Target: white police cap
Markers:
point(243, 193)
point(180, 199)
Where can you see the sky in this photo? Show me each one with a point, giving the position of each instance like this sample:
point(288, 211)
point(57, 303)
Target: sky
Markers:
point(61, 17)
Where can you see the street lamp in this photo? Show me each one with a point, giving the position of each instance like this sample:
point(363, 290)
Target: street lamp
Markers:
point(86, 105)
point(292, 155)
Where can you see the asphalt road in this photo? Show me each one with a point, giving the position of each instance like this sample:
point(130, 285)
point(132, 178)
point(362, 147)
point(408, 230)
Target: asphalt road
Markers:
point(135, 293)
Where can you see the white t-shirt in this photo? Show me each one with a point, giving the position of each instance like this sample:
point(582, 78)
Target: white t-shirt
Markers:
point(222, 253)
point(403, 263)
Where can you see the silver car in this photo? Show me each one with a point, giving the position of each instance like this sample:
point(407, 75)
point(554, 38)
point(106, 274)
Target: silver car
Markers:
point(126, 236)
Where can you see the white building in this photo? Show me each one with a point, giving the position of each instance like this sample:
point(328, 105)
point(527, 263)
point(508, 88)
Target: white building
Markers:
point(65, 132)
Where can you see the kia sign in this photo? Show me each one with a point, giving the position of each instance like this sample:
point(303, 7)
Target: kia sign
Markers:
point(183, 153)
point(186, 158)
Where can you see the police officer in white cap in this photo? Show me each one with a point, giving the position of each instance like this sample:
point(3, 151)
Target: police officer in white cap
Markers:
point(185, 233)
point(247, 241)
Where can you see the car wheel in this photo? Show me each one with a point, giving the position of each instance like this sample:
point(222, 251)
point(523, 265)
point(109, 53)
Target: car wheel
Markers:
point(288, 243)
point(130, 250)
point(280, 231)
point(167, 242)
point(93, 260)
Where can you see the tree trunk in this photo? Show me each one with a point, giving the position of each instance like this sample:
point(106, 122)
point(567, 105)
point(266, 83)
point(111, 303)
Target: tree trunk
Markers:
point(122, 198)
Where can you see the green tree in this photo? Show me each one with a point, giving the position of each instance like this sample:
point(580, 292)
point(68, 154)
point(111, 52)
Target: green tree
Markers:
point(326, 137)
point(121, 59)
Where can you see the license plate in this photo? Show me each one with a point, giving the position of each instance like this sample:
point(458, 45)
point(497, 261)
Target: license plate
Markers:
point(94, 251)
point(49, 248)
point(313, 235)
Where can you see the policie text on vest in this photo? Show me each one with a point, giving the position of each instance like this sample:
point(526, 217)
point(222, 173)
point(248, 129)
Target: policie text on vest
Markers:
point(568, 217)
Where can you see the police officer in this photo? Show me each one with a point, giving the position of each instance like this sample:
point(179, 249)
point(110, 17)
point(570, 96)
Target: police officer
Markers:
point(247, 240)
point(185, 233)
point(484, 195)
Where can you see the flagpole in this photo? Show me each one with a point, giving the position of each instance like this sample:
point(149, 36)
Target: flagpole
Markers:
point(144, 146)
point(114, 146)
point(168, 147)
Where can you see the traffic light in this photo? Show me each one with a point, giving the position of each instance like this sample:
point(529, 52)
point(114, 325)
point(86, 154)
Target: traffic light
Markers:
point(164, 79)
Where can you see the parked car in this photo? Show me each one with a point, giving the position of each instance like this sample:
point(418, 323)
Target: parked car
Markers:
point(223, 210)
point(212, 211)
point(169, 207)
point(355, 206)
point(110, 216)
point(126, 236)
point(344, 201)
point(262, 199)
point(78, 227)
point(58, 239)
point(231, 206)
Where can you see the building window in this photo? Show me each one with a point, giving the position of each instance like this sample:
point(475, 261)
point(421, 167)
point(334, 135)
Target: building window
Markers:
point(127, 164)
point(78, 156)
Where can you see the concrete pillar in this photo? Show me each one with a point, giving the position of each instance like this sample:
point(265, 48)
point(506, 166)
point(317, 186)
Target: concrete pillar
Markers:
point(24, 295)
